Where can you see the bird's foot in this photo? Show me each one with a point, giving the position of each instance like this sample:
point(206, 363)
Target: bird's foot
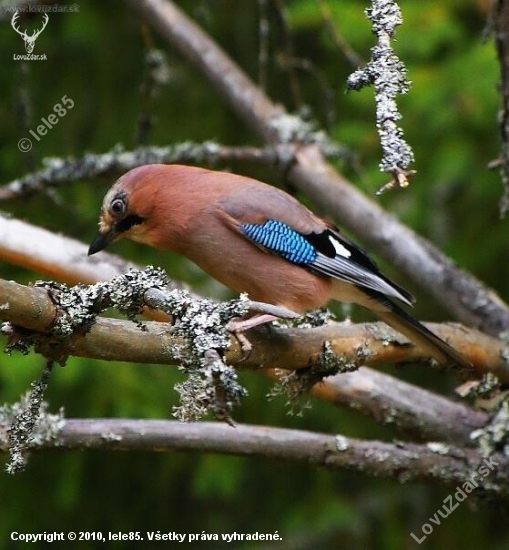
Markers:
point(266, 314)
point(238, 326)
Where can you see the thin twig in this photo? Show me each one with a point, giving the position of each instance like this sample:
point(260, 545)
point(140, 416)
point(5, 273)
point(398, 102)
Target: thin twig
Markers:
point(500, 22)
point(60, 171)
point(263, 43)
point(156, 75)
point(387, 74)
point(23, 109)
point(341, 44)
point(286, 55)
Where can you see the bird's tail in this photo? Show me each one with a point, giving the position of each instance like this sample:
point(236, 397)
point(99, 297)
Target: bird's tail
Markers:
point(416, 332)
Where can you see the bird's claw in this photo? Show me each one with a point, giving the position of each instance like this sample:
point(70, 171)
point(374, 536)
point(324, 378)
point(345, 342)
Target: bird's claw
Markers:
point(238, 326)
point(245, 344)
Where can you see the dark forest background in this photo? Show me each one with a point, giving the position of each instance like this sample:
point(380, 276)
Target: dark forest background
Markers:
point(96, 58)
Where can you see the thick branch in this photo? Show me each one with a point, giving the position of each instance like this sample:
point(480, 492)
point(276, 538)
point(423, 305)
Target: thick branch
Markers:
point(66, 260)
point(415, 412)
point(464, 296)
point(113, 339)
point(409, 462)
point(56, 256)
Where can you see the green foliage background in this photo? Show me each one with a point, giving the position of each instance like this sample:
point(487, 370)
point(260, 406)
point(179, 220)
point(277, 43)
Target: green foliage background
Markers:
point(95, 57)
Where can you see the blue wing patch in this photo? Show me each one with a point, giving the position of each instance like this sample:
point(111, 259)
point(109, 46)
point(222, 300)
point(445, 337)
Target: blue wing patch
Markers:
point(281, 239)
point(328, 254)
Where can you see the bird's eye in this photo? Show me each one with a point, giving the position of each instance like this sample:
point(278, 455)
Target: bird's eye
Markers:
point(117, 207)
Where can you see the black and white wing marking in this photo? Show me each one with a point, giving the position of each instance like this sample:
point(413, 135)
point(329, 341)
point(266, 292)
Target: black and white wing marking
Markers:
point(327, 253)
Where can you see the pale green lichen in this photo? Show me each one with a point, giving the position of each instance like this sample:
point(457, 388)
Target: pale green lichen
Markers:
point(495, 435)
point(28, 423)
point(294, 385)
point(214, 387)
point(386, 72)
point(199, 324)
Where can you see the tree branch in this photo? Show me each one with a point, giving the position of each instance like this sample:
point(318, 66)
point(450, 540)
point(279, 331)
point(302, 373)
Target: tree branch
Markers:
point(415, 412)
point(387, 73)
point(291, 348)
point(66, 260)
point(58, 171)
point(406, 462)
point(54, 255)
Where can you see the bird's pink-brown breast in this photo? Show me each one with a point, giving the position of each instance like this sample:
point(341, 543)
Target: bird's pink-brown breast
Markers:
point(216, 243)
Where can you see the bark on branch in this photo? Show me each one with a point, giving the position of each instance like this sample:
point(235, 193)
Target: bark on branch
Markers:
point(406, 462)
point(59, 171)
point(290, 348)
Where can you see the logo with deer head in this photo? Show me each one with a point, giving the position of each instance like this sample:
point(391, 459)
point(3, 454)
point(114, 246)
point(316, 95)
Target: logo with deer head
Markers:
point(29, 40)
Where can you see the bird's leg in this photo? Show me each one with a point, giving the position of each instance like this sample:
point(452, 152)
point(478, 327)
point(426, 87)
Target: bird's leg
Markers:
point(266, 314)
point(238, 326)
point(241, 325)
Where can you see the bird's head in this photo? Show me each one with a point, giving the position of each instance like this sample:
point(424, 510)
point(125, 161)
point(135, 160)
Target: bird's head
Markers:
point(127, 208)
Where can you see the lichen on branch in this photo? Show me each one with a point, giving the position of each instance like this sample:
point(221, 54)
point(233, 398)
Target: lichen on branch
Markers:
point(201, 325)
point(387, 73)
point(29, 423)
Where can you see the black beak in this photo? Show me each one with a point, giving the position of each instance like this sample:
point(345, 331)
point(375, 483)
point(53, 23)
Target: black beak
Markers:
point(101, 241)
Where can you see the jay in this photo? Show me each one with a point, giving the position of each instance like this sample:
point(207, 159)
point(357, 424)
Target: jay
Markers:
point(257, 239)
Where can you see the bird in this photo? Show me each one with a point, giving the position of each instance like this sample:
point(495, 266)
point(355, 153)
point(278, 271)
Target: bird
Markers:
point(256, 239)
